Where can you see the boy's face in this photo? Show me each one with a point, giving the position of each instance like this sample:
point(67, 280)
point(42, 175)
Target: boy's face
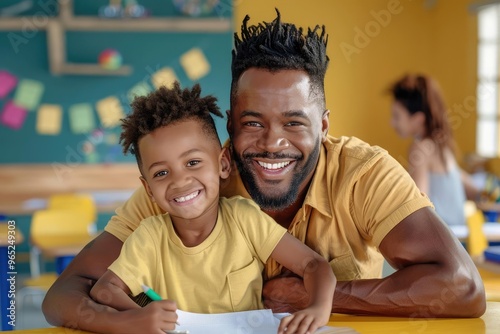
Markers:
point(276, 128)
point(181, 167)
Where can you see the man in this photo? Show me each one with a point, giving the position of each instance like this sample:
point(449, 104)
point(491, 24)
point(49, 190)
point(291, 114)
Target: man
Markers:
point(350, 202)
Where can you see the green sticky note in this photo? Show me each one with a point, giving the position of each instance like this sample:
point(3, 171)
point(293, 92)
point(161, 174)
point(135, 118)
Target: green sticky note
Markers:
point(28, 93)
point(81, 118)
point(140, 89)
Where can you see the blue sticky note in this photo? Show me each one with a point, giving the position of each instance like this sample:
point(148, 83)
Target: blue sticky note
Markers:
point(81, 118)
point(28, 93)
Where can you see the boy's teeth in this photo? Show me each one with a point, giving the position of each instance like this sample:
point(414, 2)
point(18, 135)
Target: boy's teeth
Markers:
point(274, 166)
point(186, 198)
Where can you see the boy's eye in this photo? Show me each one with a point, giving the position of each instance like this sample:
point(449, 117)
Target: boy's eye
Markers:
point(193, 163)
point(160, 173)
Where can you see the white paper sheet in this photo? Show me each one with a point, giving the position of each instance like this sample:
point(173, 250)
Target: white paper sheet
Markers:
point(248, 322)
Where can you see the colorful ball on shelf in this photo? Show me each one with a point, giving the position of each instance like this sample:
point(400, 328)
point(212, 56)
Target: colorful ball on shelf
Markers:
point(110, 59)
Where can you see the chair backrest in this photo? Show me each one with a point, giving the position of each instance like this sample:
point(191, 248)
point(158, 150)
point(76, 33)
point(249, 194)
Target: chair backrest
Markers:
point(58, 223)
point(82, 202)
point(476, 240)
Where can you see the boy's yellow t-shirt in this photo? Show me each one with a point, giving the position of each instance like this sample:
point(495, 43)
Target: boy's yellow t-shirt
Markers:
point(222, 274)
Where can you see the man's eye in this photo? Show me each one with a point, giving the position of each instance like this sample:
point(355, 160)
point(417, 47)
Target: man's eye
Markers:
point(294, 124)
point(160, 173)
point(253, 124)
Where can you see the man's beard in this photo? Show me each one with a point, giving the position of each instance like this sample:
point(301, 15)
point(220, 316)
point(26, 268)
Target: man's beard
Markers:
point(280, 201)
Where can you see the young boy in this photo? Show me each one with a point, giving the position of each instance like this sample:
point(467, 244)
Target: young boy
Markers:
point(208, 253)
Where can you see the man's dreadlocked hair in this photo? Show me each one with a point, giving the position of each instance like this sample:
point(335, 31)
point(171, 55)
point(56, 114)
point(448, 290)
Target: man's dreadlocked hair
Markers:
point(280, 46)
point(164, 107)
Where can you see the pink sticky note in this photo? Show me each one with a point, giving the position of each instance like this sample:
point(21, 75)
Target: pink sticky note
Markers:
point(13, 116)
point(7, 83)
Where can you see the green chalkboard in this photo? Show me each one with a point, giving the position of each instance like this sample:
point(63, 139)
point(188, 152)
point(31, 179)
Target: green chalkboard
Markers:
point(146, 52)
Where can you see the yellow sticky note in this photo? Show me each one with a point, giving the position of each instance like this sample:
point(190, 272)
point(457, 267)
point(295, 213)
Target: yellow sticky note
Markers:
point(49, 118)
point(195, 64)
point(110, 111)
point(164, 77)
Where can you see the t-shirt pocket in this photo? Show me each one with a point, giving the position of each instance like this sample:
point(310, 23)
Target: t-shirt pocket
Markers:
point(344, 267)
point(245, 287)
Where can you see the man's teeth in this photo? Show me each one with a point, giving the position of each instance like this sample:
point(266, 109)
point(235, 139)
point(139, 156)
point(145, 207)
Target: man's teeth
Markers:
point(186, 198)
point(274, 166)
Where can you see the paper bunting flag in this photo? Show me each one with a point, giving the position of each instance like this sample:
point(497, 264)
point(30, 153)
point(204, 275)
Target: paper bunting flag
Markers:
point(164, 77)
point(110, 111)
point(49, 119)
point(195, 64)
point(81, 118)
point(140, 89)
point(28, 93)
point(7, 83)
point(13, 116)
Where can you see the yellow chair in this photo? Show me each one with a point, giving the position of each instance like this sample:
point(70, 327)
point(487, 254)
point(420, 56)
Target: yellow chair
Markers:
point(476, 245)
point(58, 234)
point(72, 201)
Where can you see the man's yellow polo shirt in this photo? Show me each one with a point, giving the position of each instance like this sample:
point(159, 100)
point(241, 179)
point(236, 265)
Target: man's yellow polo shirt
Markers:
point(357, 195)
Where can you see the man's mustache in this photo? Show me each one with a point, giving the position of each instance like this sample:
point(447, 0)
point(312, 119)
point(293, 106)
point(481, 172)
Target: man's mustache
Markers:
point(269, 155)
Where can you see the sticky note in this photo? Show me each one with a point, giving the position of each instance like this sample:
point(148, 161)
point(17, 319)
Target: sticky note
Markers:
point(7, 83)
point(13, 116)
point(49, 119)
point(140, 89)
point(110, 111)
point(28, 93)
point(195, 64)
point(81, 118)
point(164, 77)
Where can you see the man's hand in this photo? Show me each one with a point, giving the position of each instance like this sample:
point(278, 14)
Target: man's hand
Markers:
point(285, 294)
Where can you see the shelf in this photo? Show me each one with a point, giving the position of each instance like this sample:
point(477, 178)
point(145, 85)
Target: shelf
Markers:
point(65, 21)
point(93, 69)
point(88, 23)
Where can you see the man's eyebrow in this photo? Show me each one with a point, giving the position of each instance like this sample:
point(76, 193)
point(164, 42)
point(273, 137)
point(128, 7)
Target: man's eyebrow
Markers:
point(250, 113)
point(290, 113)
point(295, 113)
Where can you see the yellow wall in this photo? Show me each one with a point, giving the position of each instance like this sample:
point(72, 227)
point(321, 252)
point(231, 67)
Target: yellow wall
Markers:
point(439, 40)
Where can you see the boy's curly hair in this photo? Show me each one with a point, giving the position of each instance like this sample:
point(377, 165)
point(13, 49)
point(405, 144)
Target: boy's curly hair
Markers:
point(280, 46)
point(166, 106)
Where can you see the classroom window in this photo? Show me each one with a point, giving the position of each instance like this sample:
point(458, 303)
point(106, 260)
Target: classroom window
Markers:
point(488, 110)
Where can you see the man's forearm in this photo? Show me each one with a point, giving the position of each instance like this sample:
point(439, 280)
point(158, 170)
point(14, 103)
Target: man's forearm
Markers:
point(415, 291)
point(80, 311)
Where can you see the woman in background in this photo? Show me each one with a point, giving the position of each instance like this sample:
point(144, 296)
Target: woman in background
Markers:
point(419, 111)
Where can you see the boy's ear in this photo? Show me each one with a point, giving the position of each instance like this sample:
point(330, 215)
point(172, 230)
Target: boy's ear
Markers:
point(225, 163)
point(146, 186)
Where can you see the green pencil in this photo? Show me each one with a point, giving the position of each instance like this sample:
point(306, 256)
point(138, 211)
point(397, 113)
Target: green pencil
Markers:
point(153, 295)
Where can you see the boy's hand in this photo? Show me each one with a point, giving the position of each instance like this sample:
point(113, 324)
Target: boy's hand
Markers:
point(305, 321)
point(156, 317)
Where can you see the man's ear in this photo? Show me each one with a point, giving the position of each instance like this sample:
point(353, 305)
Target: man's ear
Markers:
point(224, 163)
point(325, 124)
point(146, 186)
